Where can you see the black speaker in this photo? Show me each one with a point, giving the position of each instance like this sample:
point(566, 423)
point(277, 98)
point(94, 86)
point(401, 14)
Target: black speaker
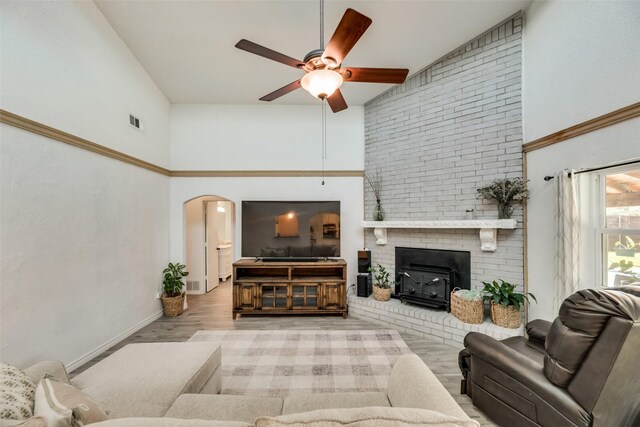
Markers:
point(363, 288)
point(364, 262)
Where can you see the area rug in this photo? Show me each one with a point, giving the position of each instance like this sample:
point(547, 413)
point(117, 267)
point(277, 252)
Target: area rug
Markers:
point(278, 363)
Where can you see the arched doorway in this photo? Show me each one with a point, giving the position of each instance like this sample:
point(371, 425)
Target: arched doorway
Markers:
point(209, 221)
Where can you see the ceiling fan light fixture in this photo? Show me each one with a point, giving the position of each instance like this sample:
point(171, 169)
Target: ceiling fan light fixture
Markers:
point(321, 83)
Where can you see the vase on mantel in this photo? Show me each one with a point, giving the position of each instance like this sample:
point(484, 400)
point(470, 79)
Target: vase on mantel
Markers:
point(504, 210)
point(378, 212)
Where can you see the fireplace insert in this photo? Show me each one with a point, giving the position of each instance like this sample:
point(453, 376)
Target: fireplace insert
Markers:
point(427, 276)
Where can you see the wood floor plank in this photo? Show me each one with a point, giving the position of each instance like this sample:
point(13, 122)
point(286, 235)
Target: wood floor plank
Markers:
point(213, 311)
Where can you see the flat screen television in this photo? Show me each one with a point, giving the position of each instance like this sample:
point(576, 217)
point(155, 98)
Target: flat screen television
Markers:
point(290, 229)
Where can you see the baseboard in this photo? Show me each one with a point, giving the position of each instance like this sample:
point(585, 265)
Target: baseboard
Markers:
point(96, 352)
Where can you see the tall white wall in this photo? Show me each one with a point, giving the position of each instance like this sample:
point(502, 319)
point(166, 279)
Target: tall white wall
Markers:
point(264, 137)
point(84, 237)
point(578, 62)
point(63, 65)
point(83, 244)
point(267, 137)
point(581, 60)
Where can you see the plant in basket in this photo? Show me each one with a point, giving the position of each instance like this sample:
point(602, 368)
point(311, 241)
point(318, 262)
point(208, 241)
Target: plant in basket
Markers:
point(382, 285)
point(505, 302)
point(173, 295)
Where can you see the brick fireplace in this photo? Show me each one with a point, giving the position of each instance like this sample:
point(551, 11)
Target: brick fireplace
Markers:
point(449, 129)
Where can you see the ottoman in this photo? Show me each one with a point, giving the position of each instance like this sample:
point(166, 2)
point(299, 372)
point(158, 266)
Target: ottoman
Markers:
point(143, 380)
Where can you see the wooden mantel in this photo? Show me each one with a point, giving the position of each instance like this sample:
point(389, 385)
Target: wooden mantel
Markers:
point(488, 228)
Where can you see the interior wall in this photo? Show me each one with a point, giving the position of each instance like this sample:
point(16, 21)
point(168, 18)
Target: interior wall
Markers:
point(267, 137)
point(63, 65)
point(605, 146)
point(577, 62)
point(264, 137)
point(84, 237)
point(347, 190)
point(581, 60)
point(82, 249)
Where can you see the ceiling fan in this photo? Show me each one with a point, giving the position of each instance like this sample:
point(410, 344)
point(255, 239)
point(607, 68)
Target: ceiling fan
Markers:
point(324, 74)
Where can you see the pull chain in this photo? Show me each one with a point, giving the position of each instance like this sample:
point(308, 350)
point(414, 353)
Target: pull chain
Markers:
point(321, 24)
point(324, 102)
point(324, 136)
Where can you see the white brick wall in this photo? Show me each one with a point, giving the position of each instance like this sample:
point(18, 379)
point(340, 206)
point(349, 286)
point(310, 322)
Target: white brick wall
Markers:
point(451, 128)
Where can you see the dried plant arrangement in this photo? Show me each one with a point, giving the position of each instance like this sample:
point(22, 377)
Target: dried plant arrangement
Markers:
point(505, 191)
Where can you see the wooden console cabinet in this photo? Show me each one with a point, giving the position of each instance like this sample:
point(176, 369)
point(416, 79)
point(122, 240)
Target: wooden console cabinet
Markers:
point(290, 287)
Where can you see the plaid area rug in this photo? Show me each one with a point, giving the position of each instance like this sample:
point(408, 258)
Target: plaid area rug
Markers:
point(278, 363)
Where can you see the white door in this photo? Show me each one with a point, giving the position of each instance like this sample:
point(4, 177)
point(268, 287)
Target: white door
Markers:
point(211, 247)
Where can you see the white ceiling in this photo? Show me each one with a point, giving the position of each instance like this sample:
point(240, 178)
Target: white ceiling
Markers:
point(187, 47)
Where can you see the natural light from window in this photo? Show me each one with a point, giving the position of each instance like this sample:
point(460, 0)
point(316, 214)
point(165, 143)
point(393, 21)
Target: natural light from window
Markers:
point(621, 233)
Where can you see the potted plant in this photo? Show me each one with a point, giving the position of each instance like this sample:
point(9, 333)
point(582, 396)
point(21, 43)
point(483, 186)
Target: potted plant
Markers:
point(375, 182)
point(382, 286)
point(628, 248)
point(505, 191)
point(505, 303)
point(173, 295)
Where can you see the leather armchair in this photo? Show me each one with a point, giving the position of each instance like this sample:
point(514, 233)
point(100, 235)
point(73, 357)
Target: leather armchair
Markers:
point(582, 369)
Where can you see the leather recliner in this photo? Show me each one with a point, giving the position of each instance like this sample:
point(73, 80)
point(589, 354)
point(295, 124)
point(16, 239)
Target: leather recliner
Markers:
point(582, 369)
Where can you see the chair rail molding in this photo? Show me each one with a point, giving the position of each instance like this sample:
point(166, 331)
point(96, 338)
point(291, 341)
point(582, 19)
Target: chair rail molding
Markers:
point(488, 228)
point(612, 118)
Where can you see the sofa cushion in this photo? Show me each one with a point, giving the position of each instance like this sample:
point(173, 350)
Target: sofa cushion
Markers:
point(366, 417)
point(224, 407)
point(63, 405)
point(144, 379)
point(53, 369)
point(16, 393)
point(305, 402)
point(31, 422)
point(168, 422)
point(413, 385)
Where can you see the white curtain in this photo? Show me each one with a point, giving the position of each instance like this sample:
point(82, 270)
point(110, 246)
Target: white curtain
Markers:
point(567, 279)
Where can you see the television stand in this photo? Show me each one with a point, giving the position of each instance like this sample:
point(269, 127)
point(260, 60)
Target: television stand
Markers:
point(281, 287)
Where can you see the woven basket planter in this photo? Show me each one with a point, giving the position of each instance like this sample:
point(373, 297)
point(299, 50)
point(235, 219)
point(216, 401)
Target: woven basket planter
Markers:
point(467, 311)
point(173, 306)
point(381, 294)
point(507, 317)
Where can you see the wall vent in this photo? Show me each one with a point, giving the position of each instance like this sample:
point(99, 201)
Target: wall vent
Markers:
point(193, 285)
point(136, 122)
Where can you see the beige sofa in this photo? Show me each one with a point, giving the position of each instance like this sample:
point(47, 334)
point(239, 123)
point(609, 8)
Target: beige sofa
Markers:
point(176, 384)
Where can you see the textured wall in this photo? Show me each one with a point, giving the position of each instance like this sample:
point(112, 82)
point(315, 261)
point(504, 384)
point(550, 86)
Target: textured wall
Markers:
point(446, 131)
point(84, 242)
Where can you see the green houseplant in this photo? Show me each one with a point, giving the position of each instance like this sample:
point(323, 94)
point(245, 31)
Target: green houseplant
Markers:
point(505, 192)
point(505, 303)
point(173, 295)
point(628, 248)
point(382, 286)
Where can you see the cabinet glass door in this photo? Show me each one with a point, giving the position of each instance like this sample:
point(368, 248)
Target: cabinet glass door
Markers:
point(274, 296)
point(304, 296)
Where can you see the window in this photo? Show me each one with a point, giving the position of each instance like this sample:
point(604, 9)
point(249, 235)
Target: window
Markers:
point(619, 226)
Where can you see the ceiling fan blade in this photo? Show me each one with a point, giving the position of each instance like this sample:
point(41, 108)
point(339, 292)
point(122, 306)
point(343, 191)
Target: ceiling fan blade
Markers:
point(337, 102)
point(351, 27)
point(375, 75)
point(268, 53)
point(282, 91)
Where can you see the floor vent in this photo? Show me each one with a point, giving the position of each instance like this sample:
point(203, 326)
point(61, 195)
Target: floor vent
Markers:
point(193, 285)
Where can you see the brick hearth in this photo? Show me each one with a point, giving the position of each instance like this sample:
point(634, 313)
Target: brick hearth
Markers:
point(430, 323)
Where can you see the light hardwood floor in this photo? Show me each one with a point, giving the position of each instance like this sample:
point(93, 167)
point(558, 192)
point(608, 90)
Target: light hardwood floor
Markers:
point(213, 311)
